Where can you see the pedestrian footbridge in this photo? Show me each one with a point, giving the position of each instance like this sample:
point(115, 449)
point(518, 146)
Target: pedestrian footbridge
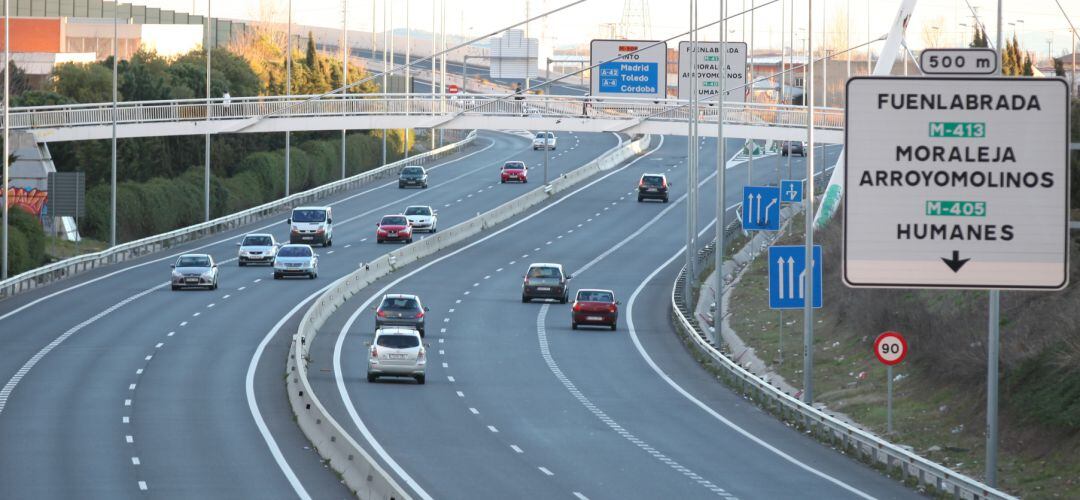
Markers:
point(411, 111)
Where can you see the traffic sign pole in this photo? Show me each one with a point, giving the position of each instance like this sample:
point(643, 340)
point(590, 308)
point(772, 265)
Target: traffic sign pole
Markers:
point(890, 348)
point(721, 176)
point(808, 203)
point(888, 410)
point(993, 337)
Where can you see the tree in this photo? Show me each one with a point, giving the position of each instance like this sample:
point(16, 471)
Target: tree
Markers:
point(979, 39)
point(1059, 67)
point(83, 83)
point(19, 83)
point(310, 57)
point(1028, 69)
point(931, 32)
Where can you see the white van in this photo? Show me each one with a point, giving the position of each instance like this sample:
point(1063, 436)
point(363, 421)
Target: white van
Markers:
point(312, 225)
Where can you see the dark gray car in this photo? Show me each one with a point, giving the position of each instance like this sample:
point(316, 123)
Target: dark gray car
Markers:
point(545, 281)
point(412, 176)
point(398, 309)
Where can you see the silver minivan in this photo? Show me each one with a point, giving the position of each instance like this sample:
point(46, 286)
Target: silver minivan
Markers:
point(398, 352)
point(312, 225)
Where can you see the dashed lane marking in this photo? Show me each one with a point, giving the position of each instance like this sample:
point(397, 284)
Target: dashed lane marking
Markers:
point(516, 449)
point(474, 411)
point(493, 429)
point(460, 394)
point(135, 461)
point(545, 471)
point(451, 379)
point(143, 486)
point(129, 438)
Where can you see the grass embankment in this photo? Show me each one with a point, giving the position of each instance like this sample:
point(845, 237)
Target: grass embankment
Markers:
point(940, 390)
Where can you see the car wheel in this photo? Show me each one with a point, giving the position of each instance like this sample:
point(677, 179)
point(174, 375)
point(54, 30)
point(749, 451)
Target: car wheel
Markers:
point(175, 288)
point(665, 199)
point(371, 377)
point(330, 242)
point(420, 379)
point(241, 263)
point(613, 327)
point(378, 241)
point(277, 276)
point(639, 199)
point(215, 285)
point(434, 229)
point(523, 181)
point(421, 331)
point(573, 326)
point(502, 181)
point(408, 241)
point(425, 185)
point(524, 299)
point(564, 299)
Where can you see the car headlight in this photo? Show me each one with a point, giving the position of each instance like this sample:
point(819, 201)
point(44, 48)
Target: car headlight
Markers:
point(208, 274)
point(177, 275)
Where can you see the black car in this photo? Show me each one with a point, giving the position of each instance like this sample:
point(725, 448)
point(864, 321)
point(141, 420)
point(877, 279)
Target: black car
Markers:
point(653, 186)
point(545, 281)
point(412, 176)
point(399, 309)
point(793, 148)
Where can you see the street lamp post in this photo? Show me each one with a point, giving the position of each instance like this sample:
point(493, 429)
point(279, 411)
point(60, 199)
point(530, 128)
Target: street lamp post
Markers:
point(288, 93)
point(206, 154)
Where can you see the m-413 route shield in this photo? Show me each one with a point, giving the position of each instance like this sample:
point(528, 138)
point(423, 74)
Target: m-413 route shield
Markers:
point(956, 183)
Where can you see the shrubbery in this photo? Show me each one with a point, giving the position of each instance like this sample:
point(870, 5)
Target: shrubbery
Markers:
point(26, 244)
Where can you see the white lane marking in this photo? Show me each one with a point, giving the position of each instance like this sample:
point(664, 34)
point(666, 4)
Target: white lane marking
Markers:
point(553, 366)
point(210, 305)
point(444, 365)
point(12, 383)
point(183, 323)
point(476, 284)
point(451, 379)
point(159, 344)
point(149, 357)
point(537, 249)
point(579, 225)
point(338, 346)
point(516, 449)
point(442, 330)
point(451, 309)
point(129, 438)
point(143, 486)
point(526, 256)
point(579, 496)
point(469, 196)
point(241, 288)
point(559, 237)
point(127, 402)
point(460, 394)
point(226, 296)
point(139, 371)
point(126, 420)
point(446, 205)
point(545, 471)
point(459, 200)
point(441, 340)
point(135, 461)
point(458, 301)
point(349, 245)
point(499, 270)
point(328, 252)
point(131, 387)
point(487, 277)
point(474, 411)
point(656, 368)
point(363, 240)
point(257, 280)
point(170, 334)
point(597, 214)
point(253, 406)
point(513, 262)
point(196, 315)
point(441, 352)
point(446, 320)
point(493, 429)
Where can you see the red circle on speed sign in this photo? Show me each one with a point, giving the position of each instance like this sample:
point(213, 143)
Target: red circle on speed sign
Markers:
point(890, 348)
point(453, 89)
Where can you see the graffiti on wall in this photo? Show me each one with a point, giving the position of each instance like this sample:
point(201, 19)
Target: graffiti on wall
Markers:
point(30, 200)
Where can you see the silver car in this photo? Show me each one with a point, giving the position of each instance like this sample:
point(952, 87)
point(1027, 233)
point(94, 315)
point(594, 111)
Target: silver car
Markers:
point(257, 248)
point(422, 218)
point(397, 351)
point(399, 309)
point(194, 270)
point(296, 260)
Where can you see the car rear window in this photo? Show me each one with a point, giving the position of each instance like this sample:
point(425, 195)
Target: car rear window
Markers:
point(653, 180)
point(595, 297)
point(399, 304)
point(418, 211)
point(398, 341)
point(544, 272)
point(394, 221)
point(294, 251)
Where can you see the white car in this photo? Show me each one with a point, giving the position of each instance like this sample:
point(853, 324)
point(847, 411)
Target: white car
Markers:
point(194, 270)
point(539, 140)
point(257, 248)
point(397, 352)
point(422, 218)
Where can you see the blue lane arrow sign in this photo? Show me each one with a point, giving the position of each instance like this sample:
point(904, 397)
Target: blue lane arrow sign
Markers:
point(761, 208)
point(787, 277)
point(791, 191)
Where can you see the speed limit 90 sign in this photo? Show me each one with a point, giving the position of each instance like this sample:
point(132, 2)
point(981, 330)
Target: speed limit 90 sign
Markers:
point(890, 348)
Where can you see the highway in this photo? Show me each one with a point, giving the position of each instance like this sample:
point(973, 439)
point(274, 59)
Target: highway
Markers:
point(116, 387)
point(518, 405)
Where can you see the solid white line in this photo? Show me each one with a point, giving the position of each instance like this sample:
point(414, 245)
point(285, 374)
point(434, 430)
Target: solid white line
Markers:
point(648, 360)
point(338, 347)
point(142, 485)
point(492, 429)
point(545, 471)
point(516, 449)
point(253, 406)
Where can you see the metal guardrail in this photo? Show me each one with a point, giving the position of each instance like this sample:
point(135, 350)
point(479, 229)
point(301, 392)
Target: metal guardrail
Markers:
point(551, 106)
point(359, 470)
point(825, 427)
point(126, 251)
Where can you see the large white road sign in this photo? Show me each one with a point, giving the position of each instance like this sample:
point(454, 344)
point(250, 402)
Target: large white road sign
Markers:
point(956, 183)
point(707, 65)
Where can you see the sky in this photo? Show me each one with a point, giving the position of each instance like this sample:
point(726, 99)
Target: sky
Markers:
point(1038, 24)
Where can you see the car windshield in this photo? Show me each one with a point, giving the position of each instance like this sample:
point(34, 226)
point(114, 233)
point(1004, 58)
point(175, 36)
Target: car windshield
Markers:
point(543, 272)
point(258, 241)
point(541, 135)
point(514, 165)
point(418, 211)
point(193, 262)
point(399, 304)
point(294, 251)
point(394, 221)
point(595, 296)
point(398, 341)
point(309, 215)
point(412, 171)
point(653, 180)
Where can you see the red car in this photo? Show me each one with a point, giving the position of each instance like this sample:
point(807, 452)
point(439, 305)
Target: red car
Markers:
point(514, 171)
point(594, 307)
point(393, 228)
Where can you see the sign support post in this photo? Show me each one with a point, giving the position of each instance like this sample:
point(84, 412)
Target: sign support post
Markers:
point(890, 349)
point(888, 406)
point(808, 204)
point(993, 336)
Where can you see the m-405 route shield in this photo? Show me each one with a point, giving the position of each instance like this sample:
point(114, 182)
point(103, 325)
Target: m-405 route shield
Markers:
point(956, 183)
